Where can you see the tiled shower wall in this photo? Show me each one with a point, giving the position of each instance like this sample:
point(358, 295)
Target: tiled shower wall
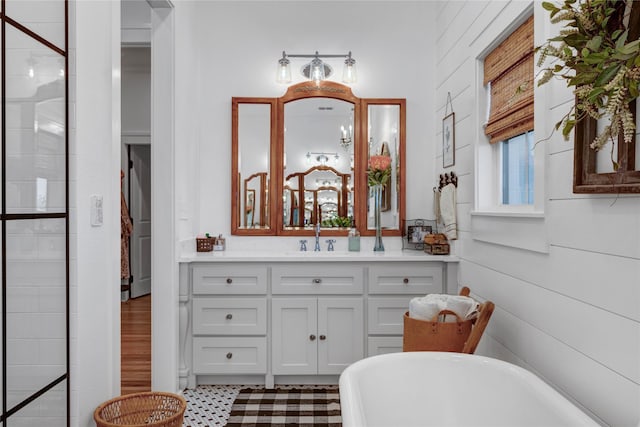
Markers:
point(569, 312)
point(35, 124)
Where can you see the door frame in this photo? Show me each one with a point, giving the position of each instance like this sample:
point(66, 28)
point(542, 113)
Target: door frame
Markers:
point(164, 268)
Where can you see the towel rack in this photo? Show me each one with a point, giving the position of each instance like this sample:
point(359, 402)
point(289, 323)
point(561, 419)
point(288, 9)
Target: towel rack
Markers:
point(445, 179)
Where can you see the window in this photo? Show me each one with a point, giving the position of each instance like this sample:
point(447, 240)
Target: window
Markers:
point(517, 169)
point(508, 78)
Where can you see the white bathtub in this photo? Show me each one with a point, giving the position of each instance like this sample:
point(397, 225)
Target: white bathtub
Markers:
point(450, 389)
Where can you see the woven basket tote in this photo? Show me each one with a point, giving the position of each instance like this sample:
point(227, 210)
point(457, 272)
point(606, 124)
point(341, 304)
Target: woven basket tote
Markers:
point(157, 409)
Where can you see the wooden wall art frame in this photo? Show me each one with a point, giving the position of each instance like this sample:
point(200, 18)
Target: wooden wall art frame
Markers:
point(586, 179)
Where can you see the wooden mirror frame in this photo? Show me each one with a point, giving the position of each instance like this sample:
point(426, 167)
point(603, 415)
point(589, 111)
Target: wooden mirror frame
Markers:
point(324, 89)
point(237, 186)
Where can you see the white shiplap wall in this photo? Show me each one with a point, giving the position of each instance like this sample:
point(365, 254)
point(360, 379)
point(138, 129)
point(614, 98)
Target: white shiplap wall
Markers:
point(570, 314)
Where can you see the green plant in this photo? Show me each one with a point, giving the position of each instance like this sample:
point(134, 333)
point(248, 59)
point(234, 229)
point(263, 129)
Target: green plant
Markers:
point(338, 221)
point(597, 55)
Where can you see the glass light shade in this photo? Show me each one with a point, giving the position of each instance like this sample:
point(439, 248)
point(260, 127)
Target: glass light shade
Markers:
point(284, 71)
point(316, 73)
point(349, 74)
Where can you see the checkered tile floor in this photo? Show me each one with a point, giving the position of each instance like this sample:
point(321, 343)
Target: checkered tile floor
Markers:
point(210, 405)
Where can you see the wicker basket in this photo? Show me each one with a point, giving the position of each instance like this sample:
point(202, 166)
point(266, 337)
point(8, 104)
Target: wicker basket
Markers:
point(204, 244)
point(155, 408)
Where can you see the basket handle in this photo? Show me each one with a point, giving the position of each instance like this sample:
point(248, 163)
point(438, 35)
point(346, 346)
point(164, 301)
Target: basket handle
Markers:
point(444, 313)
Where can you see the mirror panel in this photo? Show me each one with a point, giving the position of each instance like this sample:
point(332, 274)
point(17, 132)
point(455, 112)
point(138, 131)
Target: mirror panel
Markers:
point(318, 163)
point(253, 135)
point(384, 138)
point(309, 150)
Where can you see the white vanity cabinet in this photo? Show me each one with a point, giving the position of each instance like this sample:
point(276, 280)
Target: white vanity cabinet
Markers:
point(229, 319)
point(391, 287)
point(316, 335)
point(304, 318)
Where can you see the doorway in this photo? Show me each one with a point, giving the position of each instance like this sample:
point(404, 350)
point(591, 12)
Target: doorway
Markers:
point(135, 310)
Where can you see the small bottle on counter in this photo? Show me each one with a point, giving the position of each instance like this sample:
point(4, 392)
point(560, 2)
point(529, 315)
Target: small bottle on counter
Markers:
point(354, 240)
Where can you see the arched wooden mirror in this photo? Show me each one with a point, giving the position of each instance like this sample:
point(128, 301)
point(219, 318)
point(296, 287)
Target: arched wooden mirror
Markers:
point(318, 143)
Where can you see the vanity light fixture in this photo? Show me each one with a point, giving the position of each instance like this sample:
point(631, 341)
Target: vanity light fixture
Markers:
point(322, 157)
point(345, 137)
point(316, 70)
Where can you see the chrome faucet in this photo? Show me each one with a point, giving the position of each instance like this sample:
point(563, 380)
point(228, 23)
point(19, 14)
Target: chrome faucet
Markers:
point(317, 247)
point(330, 243)
point(303, 245)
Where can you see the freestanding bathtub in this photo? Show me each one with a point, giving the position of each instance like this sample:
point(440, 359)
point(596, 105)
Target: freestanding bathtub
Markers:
point(450, 389)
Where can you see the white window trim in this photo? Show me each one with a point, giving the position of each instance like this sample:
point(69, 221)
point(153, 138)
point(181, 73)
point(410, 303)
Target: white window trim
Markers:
point(520, 226)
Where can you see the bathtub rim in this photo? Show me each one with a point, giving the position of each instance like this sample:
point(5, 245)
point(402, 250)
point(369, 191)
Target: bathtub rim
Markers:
point(353, 413)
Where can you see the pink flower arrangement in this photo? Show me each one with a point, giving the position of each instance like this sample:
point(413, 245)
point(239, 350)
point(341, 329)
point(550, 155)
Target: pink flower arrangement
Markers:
point(379, 170)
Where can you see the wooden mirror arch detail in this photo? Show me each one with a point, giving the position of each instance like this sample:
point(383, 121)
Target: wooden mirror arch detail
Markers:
point(284, 188)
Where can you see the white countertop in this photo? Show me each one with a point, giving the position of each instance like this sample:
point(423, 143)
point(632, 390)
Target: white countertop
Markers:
point(311, 256)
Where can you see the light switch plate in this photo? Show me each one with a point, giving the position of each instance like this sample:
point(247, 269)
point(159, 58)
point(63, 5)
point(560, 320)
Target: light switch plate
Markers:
point(96, 210)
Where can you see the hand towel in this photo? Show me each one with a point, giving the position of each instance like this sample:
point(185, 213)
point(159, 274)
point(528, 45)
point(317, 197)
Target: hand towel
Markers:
point(436, 204)
point(427, 307)
point(448, 211)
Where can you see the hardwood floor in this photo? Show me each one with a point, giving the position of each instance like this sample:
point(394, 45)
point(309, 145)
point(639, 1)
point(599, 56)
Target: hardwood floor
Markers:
point(135, 324)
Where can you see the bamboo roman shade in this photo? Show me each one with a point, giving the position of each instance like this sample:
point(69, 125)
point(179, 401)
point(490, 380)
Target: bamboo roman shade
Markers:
point(509, 69)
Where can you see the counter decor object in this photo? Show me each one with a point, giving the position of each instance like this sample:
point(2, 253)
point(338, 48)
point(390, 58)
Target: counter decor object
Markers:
point(436, 244)
point(204, 243)
point(207, 243)
point(354, 240)
point(378, 175)
point(377, 206)
point(414, 231)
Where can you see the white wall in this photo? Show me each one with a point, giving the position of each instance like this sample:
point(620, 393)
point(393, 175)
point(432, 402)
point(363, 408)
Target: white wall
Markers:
point(227, 49)
point(94, 81)
point(572, 314)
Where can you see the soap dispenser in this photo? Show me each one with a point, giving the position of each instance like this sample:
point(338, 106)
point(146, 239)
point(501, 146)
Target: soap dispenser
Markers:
point(354, 240)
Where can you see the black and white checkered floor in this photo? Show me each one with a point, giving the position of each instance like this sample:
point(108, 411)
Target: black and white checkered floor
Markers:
point(210, 405)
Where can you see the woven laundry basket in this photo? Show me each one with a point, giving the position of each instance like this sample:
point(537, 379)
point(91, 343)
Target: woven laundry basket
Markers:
point(158, 409)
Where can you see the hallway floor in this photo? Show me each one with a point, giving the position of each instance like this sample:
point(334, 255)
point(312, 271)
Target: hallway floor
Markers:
point(135, 324)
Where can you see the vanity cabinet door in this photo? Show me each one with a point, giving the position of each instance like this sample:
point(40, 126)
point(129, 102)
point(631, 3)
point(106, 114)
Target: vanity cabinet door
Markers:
point(340, 333)
point(384, 345)
point(405, 278)
point(229, 279)
point(294, 334)
point(229, 355)
point(386, 315)
point(229, 316)
point(316, 279)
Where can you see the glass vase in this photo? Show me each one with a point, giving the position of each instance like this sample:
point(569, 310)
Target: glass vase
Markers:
point(377, 207)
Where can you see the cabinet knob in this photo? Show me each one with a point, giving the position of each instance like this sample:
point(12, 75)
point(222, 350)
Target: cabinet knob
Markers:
point(229, 316)
point(229, 280)
point(405, 280)
point(229, 355)
point(312, 337)
point(317, 281)
point(323, 337)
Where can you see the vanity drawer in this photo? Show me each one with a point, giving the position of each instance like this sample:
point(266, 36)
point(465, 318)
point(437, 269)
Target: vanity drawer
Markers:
point(384, 345)
point(229, 316)
point(405, 279)
point(386, 315)
point(225, 280)
point(232, 355)
point(316, 279)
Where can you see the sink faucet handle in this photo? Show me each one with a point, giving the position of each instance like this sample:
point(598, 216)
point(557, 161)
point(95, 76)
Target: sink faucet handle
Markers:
point(303, 245)
point(330, 243)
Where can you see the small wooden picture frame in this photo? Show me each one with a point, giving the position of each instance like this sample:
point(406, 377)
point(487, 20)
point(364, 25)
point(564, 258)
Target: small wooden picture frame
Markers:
point(415, 233)
point(449, 140)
